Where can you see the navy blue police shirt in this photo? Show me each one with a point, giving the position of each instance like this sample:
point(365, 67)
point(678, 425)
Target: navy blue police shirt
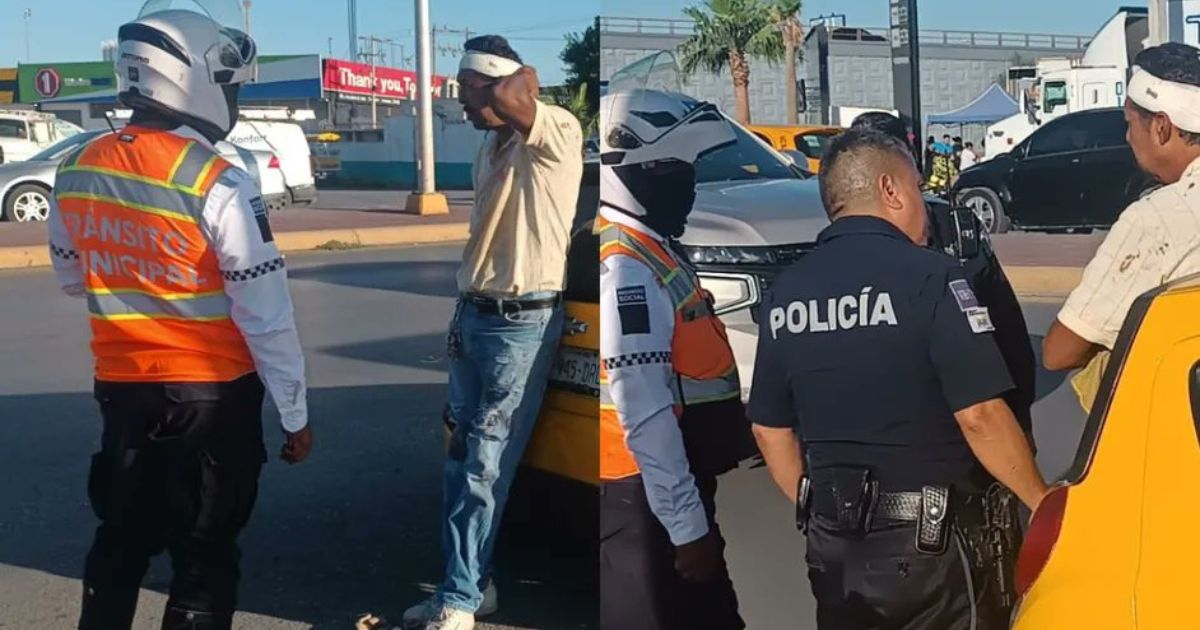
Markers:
point(866, 347)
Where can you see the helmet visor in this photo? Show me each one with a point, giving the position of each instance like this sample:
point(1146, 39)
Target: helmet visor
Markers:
point(227, 13)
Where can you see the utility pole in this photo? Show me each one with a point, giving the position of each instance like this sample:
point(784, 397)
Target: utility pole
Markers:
point(375, 55)
point(246, 11)
point(330, 48)
point(465, 32)
point(28, 14)
point(374, 88)
point(425, 200)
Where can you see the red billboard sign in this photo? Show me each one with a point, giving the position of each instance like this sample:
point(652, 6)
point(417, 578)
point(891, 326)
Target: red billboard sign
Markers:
point(353, 80)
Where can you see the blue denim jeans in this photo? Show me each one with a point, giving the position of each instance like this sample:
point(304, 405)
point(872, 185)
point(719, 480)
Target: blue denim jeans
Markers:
point(499, 366)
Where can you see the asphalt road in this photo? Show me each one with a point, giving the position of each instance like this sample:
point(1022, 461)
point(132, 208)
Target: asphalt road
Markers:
point(354, 528)
point(766, 553)
point(351, 530)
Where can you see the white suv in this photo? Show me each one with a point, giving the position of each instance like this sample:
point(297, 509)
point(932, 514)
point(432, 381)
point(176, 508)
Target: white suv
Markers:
point(25, 133)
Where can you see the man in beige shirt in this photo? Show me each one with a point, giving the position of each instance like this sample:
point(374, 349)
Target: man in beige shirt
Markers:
point(1157, 238)
point(509, 316)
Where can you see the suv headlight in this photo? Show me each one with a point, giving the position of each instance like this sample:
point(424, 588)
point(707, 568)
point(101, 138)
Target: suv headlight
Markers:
point(746, 255)
point(730, 291)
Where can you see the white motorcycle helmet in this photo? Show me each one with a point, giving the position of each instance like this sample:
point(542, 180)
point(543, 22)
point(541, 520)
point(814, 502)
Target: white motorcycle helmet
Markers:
point(649, 143)
point(185, 60)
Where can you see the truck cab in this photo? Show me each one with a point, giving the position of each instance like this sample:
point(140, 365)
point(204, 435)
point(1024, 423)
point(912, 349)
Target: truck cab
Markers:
point(26, 133)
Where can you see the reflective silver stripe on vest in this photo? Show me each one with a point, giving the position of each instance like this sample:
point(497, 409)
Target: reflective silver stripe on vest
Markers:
point(123, 191)
point(690, 391)
point(677, 281)
point(192, 165)
point(251, 164)
point(119, 305)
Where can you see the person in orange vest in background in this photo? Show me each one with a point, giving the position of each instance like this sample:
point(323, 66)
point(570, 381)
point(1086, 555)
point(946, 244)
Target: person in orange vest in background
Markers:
point(190, 316)
point(671, 415)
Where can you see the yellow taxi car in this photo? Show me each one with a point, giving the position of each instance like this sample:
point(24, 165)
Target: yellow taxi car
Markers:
point(559, 479)
point(808, 141)
point(1114, 546)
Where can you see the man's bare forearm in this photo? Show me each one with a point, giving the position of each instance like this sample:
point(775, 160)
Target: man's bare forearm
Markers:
point(780, 449)
point(994, 436)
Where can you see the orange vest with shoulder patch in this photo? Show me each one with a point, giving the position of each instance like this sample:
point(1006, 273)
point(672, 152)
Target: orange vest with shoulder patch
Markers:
point(705, 368)
point(132, 201)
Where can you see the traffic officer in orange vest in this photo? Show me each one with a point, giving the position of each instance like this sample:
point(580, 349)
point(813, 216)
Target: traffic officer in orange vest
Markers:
point(670, 402)
point(190, 316)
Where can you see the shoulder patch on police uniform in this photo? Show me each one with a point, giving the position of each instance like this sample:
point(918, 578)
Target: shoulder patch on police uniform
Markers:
point(963, 295)
point(980, 320)
point(260, 217)
point(633, 310)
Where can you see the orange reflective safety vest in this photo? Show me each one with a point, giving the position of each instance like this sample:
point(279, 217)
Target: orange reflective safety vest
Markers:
point(706, 371)
point(132, 201)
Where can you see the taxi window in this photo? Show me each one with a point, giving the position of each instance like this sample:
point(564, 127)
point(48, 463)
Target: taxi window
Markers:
point(813, 145)
point(744, 160)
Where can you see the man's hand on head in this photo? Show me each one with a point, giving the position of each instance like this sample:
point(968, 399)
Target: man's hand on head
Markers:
point(514, 99)
point(520, 83)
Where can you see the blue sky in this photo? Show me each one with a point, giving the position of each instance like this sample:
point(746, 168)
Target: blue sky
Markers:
point(1069, 17)
point(71, 30)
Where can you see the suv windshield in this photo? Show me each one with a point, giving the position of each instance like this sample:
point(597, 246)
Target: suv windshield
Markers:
point(61, 148)
point(747, 159)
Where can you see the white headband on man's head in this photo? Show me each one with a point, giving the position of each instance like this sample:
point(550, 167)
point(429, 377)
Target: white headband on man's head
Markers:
point(1178, 101)
point(488, 64)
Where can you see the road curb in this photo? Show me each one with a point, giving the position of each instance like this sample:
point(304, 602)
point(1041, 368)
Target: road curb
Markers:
point(39, 255)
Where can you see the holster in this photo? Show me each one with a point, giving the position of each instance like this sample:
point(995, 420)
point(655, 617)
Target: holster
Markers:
point(846, 497)
point(803, 503)
point(933, 527)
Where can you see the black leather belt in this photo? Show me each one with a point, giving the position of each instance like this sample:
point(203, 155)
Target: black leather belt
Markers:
point(500, 306)
point(899, 506)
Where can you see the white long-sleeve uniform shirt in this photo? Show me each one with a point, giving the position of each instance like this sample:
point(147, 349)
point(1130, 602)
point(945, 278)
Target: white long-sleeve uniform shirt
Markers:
point(637, 323)
point(255, 281)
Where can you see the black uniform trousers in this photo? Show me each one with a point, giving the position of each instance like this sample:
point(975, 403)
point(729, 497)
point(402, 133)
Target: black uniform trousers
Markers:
point(178, 470)
point(639, 586)
point(881, 582)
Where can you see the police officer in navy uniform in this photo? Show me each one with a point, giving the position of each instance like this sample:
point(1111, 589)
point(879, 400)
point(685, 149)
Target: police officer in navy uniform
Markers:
point(958, 232)
point(877, 406)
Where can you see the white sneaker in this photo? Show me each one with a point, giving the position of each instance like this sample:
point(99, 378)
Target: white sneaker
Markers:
point(418, 616)
point(451, 619)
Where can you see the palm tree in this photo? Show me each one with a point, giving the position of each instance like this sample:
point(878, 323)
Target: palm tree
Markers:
point(786, 14)
point(727, 34)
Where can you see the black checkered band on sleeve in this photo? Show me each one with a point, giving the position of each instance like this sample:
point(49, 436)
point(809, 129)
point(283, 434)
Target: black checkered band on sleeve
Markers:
point(242, 275)
point(637, 358)
point(65, 254)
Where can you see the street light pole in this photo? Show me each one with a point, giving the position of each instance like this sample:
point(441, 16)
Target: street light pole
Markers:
point(425, 200)
point(28, 14)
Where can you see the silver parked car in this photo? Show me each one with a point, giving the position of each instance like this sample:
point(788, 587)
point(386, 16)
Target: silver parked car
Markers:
point(25, 186)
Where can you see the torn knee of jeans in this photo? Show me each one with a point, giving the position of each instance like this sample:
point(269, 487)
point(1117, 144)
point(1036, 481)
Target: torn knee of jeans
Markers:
point(493, 424)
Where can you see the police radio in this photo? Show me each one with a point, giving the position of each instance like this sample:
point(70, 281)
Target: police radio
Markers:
point(968, 230)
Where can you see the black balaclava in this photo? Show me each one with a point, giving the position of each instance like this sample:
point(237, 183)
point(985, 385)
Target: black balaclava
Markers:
point(667, 190)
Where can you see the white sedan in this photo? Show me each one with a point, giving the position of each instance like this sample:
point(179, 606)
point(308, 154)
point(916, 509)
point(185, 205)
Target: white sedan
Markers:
point(25, 186)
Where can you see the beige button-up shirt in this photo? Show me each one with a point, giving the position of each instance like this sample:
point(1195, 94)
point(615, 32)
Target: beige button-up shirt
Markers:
point(526, 190)
point(1155, 240)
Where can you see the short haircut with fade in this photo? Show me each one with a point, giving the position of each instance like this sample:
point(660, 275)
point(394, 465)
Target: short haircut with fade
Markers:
point(493, 45)
point(1174, 62)
point(851, 166)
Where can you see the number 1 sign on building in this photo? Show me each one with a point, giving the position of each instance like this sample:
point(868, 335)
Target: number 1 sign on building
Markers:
point(47, 82)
